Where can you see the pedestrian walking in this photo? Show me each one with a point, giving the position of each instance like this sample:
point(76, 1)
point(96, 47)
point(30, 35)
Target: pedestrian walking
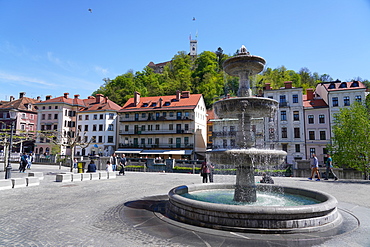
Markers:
point(204, 171)
point(75, 163)
point(211, 169)
point(314, 168)
point(329, 167)
point(123, 162)
point(113, 161)
point(23, 163)
point(29, 161)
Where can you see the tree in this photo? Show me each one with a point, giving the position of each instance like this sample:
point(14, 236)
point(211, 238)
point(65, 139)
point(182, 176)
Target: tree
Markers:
point(350, 144)
point(69, 139)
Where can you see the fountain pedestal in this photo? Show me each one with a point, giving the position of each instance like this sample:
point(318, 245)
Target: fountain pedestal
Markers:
point(245, 188)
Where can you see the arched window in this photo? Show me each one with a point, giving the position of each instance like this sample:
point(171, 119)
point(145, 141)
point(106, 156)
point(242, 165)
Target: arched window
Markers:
point(41, 150)
point(331, 86)
point(343, 85)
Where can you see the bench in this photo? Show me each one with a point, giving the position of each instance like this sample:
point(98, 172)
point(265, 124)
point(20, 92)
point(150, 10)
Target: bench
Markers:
point(32, 181)
point(64, 177)
point(112, 175)
point(6, 184)
point(19, 182)
point(103, 175)
point(76, 177)
point(85, 176)
point(39, 175)
point(94, 176)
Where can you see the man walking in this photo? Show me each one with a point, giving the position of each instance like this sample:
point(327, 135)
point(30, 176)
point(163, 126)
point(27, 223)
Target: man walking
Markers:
point(329, 167)
point(315, 168)
point(113, 161)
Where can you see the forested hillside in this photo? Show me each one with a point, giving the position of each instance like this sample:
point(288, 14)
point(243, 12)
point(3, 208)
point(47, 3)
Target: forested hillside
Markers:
point(202, 75)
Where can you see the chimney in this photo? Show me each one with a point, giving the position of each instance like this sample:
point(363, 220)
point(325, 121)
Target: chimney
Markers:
point(267, 86)
point(185, 94)
point(178, 95)
point(288, 84)
point(136, 98)
point(66, 95)
point(309, 93)
point(98, 98)
point(106, 99)
point(21, 94)
point(48, 97)
point(160, 102)
point(11, 98)
point(38, 98)
point(76, 96)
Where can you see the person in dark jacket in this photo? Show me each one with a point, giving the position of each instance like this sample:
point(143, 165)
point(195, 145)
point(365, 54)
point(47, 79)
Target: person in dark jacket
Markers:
point(91, 167)
point(266, 179)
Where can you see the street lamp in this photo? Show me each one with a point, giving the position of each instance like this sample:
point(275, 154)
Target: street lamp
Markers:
point(13, 117)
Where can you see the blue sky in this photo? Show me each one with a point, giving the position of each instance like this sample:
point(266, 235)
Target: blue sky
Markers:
point(52, 47)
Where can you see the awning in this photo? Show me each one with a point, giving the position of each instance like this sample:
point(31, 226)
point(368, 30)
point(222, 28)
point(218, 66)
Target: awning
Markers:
point(174, 152)
point(128, 151)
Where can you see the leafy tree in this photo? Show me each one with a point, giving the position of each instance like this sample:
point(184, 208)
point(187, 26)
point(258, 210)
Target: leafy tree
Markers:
point(350, 144)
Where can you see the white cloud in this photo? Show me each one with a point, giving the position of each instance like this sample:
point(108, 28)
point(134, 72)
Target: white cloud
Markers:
point(101, 70)
point(19, 79)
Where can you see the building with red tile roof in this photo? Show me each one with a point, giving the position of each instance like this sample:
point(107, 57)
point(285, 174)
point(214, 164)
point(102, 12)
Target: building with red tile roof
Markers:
point(164, 126)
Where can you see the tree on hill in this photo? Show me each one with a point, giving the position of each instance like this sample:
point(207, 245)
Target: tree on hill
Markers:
point(350, 144)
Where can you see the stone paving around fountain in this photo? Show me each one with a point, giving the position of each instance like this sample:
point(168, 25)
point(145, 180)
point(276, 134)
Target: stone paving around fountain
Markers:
point(119, 212)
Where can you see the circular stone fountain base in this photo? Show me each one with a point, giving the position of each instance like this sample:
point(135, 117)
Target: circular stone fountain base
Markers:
point(262, 219)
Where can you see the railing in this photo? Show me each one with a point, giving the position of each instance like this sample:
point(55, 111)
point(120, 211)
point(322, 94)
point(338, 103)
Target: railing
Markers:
point(154, 132)
point(224, 133)
point(156, 146)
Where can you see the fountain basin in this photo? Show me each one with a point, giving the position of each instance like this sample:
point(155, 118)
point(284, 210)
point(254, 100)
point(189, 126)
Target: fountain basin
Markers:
point(251, 106)
point(262, 219)
point(247, 157)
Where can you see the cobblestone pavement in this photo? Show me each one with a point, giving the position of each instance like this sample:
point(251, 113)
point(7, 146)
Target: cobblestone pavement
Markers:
point(99, 213)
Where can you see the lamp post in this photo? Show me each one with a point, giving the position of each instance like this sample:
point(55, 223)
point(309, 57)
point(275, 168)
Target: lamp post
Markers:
point(13, 116)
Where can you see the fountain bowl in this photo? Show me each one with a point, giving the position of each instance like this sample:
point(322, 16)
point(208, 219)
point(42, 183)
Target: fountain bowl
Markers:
point(259, 219)
point(252, 106)
point(241, 63)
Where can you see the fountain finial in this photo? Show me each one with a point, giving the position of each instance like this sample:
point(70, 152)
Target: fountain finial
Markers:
point(243, 51)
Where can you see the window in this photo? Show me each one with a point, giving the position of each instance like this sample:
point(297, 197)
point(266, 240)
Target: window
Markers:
point(100, 127)
point(157, 115)
point(224, 143)
point(284, 132)
point(170, 140)
point(232, 142)
point(358, 98)
point(150, 141)
point(322, 135)
point(55, 116)
point(110, 139)
point(49, 116)
point(170, 127)
point(186, 126)
point(312, 151)
point(297, 133)
point(157, 127)
point(283, 115)
point(186, 141)
point(126, 127)
point(311, 119)
point(171, 114)
point(100, 138)
point(284, 146)
point(297, 148)
point(143, 115)
point(56, 107)
point(335, 101)
point(311, 135)
point(296, 115)
point(295, 98)
point(95, 117)
point(86, 117)
point(164, 114)
point(321, 118)
point(101, 116)
point(346, 101)
point(127, 115)
point(178, 115)
point(86, 128)
point(43, 117)
point(110, 127)
point(80, 117)
point(142, 141)
point(111, 115)
point(150, 127)
point(142, 127)
point(136, 116)
point(282, 99)
point(94, 127)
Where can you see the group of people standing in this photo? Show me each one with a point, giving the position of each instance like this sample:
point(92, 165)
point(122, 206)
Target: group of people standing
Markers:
point(25, 162)
point(114, 163)
point(206, 171)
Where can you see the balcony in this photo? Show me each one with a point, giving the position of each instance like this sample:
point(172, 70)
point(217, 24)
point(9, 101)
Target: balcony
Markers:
point(283, 104)
point(223, 133)
point(156, 132)
point(158, 146)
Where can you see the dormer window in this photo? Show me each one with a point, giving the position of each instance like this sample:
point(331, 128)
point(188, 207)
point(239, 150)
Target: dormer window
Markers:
point(343, 85)
point(154, 104)
point(331, 86)
point(145, 105)
point(355, 84)
point(167, 103)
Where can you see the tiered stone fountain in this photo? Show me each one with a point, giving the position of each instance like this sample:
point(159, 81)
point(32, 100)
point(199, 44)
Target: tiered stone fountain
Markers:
point(320, 215)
